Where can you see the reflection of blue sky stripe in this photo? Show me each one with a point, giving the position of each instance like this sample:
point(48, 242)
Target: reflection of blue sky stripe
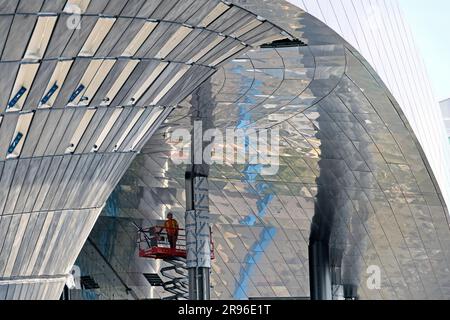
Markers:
point(112, 205)
point(252, 258)
point(106, 241)
point(105, 237)
point(89, 295)
point(251, 172)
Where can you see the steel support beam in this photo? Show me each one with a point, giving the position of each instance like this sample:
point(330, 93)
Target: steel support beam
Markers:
point(320, 271)
point(199, 284)
point(65, 294)
point(350, 292)
point(198, 234)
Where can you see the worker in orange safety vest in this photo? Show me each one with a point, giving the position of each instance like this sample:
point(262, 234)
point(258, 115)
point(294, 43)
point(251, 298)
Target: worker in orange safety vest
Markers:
point(171, 226)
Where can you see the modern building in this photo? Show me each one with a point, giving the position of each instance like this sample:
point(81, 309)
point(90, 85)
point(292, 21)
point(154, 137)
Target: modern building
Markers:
point(93, 93)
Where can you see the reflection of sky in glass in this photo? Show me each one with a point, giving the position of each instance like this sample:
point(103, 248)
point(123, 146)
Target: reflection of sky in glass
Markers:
point(107, 236)
point(104, 240)
point(89, 295)
point(265, 238)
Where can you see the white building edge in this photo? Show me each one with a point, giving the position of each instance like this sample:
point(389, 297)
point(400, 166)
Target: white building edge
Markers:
point(380, 33)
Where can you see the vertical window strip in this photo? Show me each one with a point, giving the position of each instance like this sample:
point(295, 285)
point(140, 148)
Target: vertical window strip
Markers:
point(98, 34)
point(140, 38)
point(150, 80)
point(76, 6)
point(129, 128)
point(220, 9)
point(120, 81)
point(247, 28)
point(173, 42)
point(96, 82)
point(227, 55)
point(206, 49)
point(55, 84)
point(109, 125)
point(78, 95)
point(22, 86)
point(79, 132)
point(170, 84)
point(153, 117)
point(40, 38)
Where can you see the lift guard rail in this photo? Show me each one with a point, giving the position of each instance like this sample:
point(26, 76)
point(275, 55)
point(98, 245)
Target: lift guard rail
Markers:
point(154, 243)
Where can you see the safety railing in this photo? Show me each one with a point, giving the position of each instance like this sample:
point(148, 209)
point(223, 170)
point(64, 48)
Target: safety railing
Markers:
point(155, 242)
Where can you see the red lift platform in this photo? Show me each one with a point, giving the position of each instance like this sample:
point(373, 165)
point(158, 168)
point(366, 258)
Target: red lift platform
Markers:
point(154, 243)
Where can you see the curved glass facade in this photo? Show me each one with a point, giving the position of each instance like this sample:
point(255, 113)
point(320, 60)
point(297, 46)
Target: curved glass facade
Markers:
point(379, 31)
point(89, 124)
